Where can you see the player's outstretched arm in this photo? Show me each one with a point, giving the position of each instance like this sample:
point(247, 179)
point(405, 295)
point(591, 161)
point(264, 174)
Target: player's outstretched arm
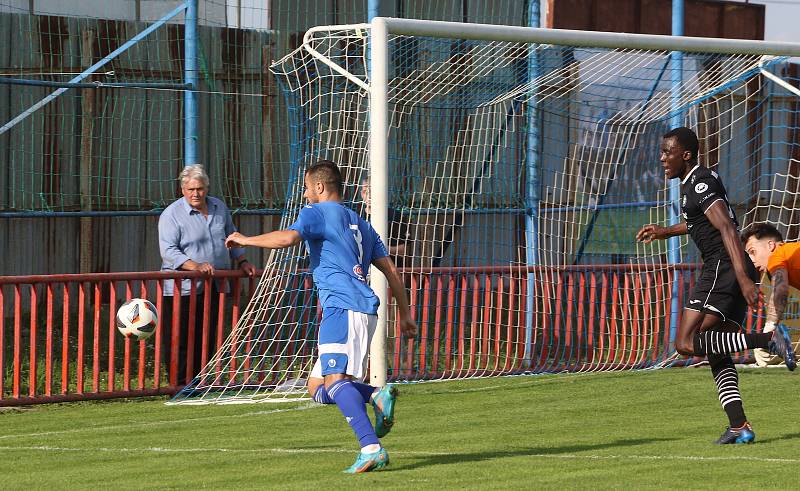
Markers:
point(780, 295)
point(651, 232)
point(407, 325)
point(717, 214)
point(278, 239)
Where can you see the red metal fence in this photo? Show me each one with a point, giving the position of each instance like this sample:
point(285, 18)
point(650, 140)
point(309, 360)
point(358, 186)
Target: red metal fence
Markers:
point(474, 321)
point(59, 342)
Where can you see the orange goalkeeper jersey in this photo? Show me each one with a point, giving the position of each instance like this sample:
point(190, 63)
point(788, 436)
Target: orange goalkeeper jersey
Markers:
point(787, 256)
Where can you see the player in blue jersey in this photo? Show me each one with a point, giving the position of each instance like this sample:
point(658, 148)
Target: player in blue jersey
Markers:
point(711, 324)
point(342, 246)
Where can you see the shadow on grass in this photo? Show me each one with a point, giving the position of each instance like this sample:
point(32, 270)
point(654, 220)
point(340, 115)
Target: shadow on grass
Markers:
point(789, 436)
point(460, 458)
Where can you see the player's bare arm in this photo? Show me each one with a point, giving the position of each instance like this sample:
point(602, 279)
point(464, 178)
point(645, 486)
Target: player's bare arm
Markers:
point(717, 214)
point(279, 239)
point(779, 296)
point(407, 325)
point(651, 232)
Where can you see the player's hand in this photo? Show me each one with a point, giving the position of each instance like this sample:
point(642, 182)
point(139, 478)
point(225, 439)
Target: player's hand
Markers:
point(408, 327)
point(651, 232)
point(206, 268)
point(752, 294)
point(248, 268)
point(235, 240)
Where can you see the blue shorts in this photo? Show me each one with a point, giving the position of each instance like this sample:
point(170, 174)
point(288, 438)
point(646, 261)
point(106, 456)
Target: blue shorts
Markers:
point(344, 339)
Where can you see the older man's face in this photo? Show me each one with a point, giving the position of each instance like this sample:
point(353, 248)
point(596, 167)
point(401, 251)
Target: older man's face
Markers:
point(195, 193)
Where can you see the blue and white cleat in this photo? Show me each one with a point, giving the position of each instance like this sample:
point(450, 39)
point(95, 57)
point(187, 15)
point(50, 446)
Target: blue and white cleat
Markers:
point(745, 434)
point(383, 403)
point(781, 345)
point(367, 462)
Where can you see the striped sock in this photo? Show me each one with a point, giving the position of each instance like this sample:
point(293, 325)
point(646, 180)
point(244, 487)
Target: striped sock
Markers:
point(321, 396)
point(723, 343)
point(727, 381)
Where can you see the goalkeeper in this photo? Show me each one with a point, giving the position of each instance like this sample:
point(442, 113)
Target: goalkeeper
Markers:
point(781, 261)
point(342, 246)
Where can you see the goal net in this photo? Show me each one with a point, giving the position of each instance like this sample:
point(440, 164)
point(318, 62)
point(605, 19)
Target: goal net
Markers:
point(518, 174)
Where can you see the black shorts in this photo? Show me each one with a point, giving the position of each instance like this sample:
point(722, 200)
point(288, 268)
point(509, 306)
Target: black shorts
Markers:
point(717, 292)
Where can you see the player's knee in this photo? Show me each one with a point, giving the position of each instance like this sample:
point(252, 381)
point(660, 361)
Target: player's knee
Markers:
point(684, 347)
point(313, 384)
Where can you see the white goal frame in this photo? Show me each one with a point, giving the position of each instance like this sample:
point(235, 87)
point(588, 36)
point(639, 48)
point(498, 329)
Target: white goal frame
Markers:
point(344, 67)
point(381, 28)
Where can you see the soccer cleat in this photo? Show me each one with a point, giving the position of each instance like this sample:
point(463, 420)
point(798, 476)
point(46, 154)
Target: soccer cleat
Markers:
point(744, 434)
point(781, 345)
point(367, 462)
point(383, 404)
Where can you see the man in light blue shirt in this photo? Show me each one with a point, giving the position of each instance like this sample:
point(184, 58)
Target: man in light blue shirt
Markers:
point(342, 246)
point(191, 237)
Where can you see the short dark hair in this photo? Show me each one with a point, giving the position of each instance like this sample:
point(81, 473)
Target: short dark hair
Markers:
point(686, 138)
point(326, 171)
point(762, 231)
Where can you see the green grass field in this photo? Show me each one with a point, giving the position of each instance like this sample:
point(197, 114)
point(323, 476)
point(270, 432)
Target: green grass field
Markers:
point(640, 430)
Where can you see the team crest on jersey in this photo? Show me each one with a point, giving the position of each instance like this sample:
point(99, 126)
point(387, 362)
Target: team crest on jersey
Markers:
point(358, 272)
point(700, 188)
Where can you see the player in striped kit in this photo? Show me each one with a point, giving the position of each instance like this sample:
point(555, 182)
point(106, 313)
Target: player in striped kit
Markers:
point(711, 323)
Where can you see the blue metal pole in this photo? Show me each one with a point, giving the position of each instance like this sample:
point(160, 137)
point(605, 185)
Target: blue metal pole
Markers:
point(532, 185)
point(373, 9)
point(190, 78)
point(92, 85)
point(92, 69)
point(674, 251)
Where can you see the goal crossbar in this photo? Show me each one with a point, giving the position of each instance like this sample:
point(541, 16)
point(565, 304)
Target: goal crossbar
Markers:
point(490, 32)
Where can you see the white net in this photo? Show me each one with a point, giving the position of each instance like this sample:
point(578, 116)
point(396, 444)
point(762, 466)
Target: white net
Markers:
point(518, 177)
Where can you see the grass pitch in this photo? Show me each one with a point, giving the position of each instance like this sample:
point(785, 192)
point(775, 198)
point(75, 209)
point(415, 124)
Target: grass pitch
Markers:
point(639, 430)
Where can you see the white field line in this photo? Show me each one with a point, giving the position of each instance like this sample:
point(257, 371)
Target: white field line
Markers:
point(147, 424)
point(308, 405)
point(535, 380)
point(688, 458)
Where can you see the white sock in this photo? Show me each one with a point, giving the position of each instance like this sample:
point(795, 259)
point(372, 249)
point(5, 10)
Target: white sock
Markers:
point(371, 448)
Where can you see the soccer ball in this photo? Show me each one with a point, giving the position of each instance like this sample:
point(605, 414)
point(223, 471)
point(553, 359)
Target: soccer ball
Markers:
point(137, 317)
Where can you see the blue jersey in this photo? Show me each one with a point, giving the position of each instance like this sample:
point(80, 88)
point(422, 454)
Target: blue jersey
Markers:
point(342, 245)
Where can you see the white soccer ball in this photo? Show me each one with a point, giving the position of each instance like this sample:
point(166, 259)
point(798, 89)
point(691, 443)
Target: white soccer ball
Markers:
point(137, 317)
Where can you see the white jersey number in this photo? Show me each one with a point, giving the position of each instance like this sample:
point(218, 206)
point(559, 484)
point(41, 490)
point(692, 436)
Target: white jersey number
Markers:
point(357, 236)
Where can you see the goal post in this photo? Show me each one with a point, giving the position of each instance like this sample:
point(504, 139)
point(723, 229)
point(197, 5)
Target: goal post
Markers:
point(379, 180)
point(438, 116)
